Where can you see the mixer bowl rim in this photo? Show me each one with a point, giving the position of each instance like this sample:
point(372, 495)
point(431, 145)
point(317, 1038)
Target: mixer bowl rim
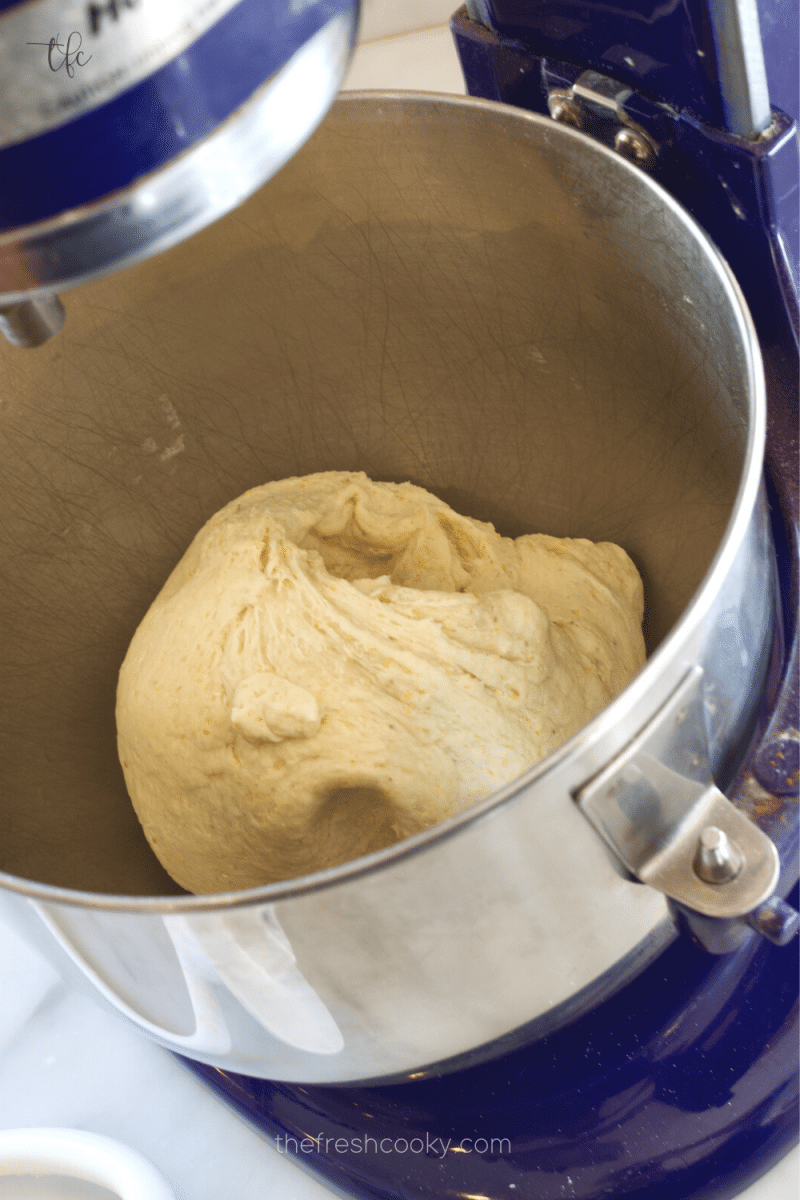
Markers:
point(623, 704)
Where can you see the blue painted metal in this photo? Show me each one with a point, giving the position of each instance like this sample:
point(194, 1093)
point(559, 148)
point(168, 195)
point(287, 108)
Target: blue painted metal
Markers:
point(683, 1086)
point(780, 37)
point(148, 125)
point(744, 193)
point(665, 51)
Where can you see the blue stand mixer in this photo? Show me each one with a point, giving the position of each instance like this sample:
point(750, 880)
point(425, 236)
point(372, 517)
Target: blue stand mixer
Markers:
point(670, 1069)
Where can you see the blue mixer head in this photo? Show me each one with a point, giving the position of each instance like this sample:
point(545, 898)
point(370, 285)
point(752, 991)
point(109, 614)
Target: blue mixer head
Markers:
point(127, 125)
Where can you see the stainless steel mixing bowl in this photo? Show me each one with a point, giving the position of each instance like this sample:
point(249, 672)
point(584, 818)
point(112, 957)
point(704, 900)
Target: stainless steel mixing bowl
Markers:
point(435, 289)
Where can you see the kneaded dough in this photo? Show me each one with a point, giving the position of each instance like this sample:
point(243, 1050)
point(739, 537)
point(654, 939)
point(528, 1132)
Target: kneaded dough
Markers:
point(336, 664)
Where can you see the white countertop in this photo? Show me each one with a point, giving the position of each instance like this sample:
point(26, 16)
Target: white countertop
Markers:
point(64, 1060)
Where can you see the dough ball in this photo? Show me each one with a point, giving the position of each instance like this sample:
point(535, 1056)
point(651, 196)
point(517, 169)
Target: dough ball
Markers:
point(336, 664)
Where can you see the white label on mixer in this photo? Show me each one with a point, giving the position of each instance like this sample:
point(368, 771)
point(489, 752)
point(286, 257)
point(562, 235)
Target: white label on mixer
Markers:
point(63, 58)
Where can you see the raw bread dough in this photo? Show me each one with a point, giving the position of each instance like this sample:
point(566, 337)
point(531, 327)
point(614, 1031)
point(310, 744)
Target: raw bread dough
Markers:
point(336, 664)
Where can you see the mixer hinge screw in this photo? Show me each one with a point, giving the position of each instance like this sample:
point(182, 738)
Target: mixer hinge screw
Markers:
point(634, 146)
point(564, 110)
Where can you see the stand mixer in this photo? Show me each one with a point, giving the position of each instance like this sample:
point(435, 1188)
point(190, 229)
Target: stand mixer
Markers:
point(646, 1056)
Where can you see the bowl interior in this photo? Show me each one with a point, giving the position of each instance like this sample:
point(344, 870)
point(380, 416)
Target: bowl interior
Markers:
point(435, 290)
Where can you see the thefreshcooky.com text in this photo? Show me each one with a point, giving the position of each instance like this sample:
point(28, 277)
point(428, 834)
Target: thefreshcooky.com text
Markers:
point(436, 1147)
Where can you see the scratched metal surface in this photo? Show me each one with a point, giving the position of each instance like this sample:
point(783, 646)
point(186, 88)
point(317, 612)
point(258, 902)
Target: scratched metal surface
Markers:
point(454, 310)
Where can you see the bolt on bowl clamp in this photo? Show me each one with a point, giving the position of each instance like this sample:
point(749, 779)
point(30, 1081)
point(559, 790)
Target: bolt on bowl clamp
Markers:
point(657, 808)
